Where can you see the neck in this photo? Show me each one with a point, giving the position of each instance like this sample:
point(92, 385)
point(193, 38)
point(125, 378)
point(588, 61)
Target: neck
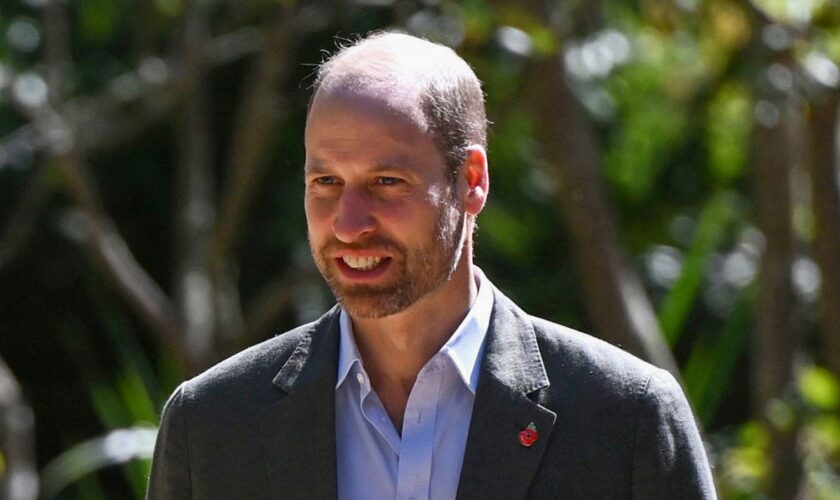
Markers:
point(395, 348)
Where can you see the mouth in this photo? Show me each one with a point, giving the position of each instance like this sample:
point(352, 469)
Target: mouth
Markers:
point(363, 268)
point(362, 263)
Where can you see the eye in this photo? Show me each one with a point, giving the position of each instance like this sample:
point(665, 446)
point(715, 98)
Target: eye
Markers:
point(325, 180)
point(388, 181)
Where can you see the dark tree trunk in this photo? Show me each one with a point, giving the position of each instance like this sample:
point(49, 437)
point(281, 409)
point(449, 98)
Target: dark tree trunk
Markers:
point(776, 340)
point(616, 301)
point(826, 203)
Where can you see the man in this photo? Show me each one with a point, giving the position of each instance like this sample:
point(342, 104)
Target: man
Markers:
point(425, 381)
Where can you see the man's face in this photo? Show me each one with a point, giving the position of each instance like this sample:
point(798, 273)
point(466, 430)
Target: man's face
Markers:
point(385, 226)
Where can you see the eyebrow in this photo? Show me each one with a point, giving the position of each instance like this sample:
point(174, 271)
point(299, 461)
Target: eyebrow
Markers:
point(399, 164)
point(313, 167)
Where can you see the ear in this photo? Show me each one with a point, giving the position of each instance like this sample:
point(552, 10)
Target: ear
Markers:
point(477, 177)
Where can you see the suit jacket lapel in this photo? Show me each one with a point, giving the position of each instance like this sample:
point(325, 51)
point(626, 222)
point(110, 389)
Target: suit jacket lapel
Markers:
point(496, 464)
point(299, 429)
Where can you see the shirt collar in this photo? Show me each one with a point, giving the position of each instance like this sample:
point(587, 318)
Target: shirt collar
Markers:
point(348, 352)
point(463, 348)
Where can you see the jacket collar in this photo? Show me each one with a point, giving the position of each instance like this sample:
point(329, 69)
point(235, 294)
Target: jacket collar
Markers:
point(299, 429)
point(496, 463)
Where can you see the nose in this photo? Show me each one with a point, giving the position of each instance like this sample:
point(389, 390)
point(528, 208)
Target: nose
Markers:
point(354, 218)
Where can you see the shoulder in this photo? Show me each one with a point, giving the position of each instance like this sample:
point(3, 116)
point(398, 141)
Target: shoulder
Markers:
point(598, 375)
point(622, 415)
point(566, 351)
point(251, 371)
point(575, 363)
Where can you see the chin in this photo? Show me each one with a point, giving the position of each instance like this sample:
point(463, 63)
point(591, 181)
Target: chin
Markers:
point(372, 308)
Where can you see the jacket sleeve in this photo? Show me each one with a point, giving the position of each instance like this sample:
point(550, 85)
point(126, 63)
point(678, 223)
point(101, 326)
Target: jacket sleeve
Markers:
point(669, 461)
point(170, 476)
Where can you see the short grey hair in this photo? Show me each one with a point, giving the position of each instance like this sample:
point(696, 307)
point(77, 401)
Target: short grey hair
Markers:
point(447, 93)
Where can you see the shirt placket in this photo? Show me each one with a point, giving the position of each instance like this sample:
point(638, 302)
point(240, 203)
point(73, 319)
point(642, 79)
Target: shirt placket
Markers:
point(374, 412)
point(418, 431)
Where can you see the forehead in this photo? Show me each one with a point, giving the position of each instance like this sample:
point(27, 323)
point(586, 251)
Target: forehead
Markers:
point(388, 88)
point(338, 112)
point(349, 126)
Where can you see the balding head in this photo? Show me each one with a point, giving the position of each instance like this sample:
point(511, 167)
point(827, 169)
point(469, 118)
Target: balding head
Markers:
point(426, 81)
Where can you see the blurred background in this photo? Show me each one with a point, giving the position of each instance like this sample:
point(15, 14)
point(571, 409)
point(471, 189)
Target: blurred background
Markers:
point(664, 175)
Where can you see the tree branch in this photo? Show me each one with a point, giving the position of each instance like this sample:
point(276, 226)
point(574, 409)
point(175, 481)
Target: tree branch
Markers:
point(97, 229)
point(195, 210)
point(273, 301)
point(100, 233)
point(137, 287)
point(150, 91)
point(56, 47)
point(19, 480)
point(260, 111)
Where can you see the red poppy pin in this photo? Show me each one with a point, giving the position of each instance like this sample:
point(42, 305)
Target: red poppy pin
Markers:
point(528, 435)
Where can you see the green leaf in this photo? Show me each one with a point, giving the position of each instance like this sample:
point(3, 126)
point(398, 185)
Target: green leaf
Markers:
point(652, 130)
point(108, 406)
point(169, 8)
point(819, 387)
point(98, 18)
point(708, 371)
point(789, 12)
point(136, 398)
point(118, 447)
point(728, 128)
point(715, 220)
point(781, 414)
point(507, 233)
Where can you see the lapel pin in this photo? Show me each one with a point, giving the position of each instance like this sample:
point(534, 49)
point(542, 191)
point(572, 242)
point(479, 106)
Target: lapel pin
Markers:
point(528, 435)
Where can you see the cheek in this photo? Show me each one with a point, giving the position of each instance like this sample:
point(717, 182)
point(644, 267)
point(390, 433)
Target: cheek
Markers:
point(317, 210)
point(317, 221)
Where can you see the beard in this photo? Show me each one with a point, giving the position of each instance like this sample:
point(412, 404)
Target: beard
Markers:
point(416, 273)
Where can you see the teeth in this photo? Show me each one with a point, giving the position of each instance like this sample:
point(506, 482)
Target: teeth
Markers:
point(362, 263)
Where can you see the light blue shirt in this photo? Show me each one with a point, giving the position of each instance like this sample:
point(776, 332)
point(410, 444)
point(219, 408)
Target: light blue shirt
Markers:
point(373, 460)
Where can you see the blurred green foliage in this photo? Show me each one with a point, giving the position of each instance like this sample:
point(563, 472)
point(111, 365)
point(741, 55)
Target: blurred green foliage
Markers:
point(744, 463)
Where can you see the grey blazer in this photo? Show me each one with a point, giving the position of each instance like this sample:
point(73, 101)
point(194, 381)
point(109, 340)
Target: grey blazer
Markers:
point(262, 423)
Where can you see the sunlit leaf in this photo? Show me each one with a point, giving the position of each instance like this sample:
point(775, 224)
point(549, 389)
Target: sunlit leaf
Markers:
point(753, 434)
point(730, 23)
point(822, 435)
point(136, 398)
point(478, 20)
point(787, 11)
point(728, 128)
point(115, 448)
point(819, 387)
point(781, 414)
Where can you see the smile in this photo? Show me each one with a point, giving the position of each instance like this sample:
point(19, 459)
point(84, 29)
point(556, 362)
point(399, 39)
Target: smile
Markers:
point(361, 263)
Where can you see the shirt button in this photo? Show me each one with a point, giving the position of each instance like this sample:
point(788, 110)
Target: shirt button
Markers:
point(360, 378)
